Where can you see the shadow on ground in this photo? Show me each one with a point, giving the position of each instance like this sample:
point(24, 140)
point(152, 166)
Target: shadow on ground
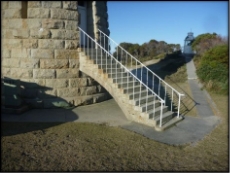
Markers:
point(25, 98)
point(164, 68)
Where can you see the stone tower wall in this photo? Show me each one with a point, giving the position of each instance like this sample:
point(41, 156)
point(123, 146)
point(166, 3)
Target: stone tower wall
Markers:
point(39, 51)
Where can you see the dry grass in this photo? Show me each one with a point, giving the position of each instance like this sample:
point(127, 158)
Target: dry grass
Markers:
point(97, 147)
point(93, 147)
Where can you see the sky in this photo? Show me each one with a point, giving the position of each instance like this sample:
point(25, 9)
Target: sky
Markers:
point(169, 21)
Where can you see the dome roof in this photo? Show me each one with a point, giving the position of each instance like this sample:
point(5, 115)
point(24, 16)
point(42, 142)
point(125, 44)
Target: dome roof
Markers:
point(189, 37)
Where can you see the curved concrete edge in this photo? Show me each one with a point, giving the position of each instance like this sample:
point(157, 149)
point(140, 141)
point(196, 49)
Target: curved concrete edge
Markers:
point(190, 131)
point(210, 101)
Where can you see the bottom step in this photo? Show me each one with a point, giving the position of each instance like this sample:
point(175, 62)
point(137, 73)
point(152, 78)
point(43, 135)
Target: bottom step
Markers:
point(171, 123)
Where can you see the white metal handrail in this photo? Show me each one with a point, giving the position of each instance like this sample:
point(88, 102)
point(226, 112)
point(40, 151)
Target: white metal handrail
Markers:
point(148, 71)
point(90, 43)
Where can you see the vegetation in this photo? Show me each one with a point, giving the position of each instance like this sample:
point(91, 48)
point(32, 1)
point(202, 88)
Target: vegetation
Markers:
point(147, 51)
point(202, 42)
point(97, 147)
point(212, 61)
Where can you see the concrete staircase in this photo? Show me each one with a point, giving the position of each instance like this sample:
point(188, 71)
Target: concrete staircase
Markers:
point(138, 103)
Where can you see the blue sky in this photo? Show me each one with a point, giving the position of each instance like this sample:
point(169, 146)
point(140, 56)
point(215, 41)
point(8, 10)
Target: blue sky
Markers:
point(169, 21)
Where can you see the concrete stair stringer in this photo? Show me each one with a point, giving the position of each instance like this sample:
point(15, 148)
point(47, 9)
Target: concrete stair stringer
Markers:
point(133, 114)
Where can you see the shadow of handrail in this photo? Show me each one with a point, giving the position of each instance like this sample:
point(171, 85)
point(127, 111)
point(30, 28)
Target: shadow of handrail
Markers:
point(166, 67)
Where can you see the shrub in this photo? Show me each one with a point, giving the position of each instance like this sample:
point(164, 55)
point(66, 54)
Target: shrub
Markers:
point(213, 69)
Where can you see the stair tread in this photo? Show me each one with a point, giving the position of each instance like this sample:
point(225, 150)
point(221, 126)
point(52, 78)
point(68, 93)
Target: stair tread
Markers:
point(119, 72)
point(127, 81)
point(166, 114)
point(158, 108)
point(149, 103)
point(145, 97)
point(104, 60)
point(137, 92)
point(135, 86)
point(169, 124)
point(127, 78)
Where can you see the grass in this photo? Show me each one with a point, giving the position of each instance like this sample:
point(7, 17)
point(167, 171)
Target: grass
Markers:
point(97, 147)
point(145, 59)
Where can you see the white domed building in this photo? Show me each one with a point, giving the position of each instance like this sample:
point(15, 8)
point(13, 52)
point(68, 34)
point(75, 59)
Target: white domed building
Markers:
point(188, 44)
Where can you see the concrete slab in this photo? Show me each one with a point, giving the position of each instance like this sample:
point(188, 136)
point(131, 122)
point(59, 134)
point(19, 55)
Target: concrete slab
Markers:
point(202, 106)
point(191, 70)
point(109, 112)
point(104, 112)
point(190, 130)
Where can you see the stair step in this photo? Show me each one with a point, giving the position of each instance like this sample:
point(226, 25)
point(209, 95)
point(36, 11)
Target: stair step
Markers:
point(104, 66)
point(169, 124)
point(127, 79)
point(137, 94)
point(103, 61)
point(136, 88)
point(94, 51)
point(165, 118)
point(118, 74)
point(151, 106)
point(95, 56)
point(154, 113)
point(112, 70)
point(103, 58)
point(127, 84)
point(144, 99)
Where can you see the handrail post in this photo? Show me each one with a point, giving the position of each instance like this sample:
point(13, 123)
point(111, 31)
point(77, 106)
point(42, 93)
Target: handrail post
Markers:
point(172, 101)
point(157, 91)
point(80, 39)
point(178, 111)
point(162, 103)
point(140, 87)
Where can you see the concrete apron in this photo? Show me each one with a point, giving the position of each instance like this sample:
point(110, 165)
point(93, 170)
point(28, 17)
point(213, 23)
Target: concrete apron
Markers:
point(190, 130)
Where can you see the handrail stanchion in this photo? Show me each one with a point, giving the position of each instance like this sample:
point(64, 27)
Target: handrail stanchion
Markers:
point(178, 111)
point(172, 101)
point(161, 113)
point(130, 71)
point(140, 88)
point(165, 94)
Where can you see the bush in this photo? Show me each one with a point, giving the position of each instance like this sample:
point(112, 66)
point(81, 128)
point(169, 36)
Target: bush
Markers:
point(213, 69)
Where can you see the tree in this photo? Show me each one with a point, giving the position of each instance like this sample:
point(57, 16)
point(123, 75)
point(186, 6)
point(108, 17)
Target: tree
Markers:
point(204, 42)
point(147, 50)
